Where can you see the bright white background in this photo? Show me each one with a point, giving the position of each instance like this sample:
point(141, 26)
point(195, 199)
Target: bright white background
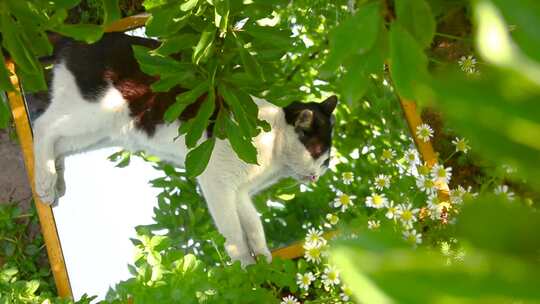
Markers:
point(97, 217)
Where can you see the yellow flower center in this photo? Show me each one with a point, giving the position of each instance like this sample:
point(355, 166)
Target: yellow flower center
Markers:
point(348, 175)
point(441, 172)
point(424, 170)
point(377, 200)
point(387, 154)
point(428, 183)
point(345, 200)
point(381, 182)
point(407, 215)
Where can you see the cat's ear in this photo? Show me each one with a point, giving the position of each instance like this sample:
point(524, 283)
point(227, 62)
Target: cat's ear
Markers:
point(304, 119)
point(329, 104)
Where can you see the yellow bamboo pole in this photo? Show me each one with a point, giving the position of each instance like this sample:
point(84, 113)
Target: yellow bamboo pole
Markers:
point(45, 214)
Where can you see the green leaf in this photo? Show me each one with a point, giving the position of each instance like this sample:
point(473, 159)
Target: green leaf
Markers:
point(177, 43)
point(345, 41)
point(417, 18)
point(111, 11)
point(408, 64)
point(183, 100)
point(243, 146)
point(166, 21)
point(272, 37)
point(250, 64)
point(155, 64)
point(64, 4)
point(197, 159)
point(4, 113)
point(204, 46)
point(13, 42)
point(245, 111)
point(188, 5)
point(201, 120)
point(88, 33)
point(221, 14)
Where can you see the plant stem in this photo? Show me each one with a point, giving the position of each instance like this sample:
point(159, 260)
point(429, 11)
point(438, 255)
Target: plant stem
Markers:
point(450, 36)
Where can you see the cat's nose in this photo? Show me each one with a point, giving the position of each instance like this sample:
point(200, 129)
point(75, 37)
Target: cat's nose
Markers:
point(313, 178)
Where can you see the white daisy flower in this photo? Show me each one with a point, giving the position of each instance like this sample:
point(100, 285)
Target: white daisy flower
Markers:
point(504, 191)
point(382, 181)
point(376, 201)
point(392, 211)
point(462, 145)
point(347, 177)
point(344, 201)
point(346, 293)
point(373, 224)
point(424, 169)
point(467, 64)
point(456, 195)
point(439, 172)
point(407, 215)
point(315, 236)
point(446, 250)
point(426, 184)
point(330, 277)
point(412, 236)
point(387, 155)
point(304, 280)
point(313, 252)
point(289, 300)
point(424, 132)
point(411, 156)
point(332, 218)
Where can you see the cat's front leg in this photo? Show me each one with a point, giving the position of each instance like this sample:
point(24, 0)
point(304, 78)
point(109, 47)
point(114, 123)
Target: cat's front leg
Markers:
point(221, 200)
point(252, 225)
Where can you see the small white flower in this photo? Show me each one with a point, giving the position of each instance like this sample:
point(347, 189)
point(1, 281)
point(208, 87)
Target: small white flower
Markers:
point(437, 208)
point(376, 201)
point(456, 195)
point(439, 172)
point(426, 184)
point(424, 132)
point(460, 255)
point(304, 280)
point(446, 250)
point(332, 218)
point(314, 236)
point(289, 300)
point(373, 224)
point(504, 191)
point(392, 211)
point(330, 277)
point(313, 252)
point(348, 177)
point(468, 64)
point(344, 201)
point(462, 145)
point(412, 236)
point(387, 155)
point(407, 215)
point(382, 181)
point(411, 156)
point(344, 297)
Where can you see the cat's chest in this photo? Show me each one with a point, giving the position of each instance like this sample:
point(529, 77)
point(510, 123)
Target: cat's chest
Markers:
point(263, 178)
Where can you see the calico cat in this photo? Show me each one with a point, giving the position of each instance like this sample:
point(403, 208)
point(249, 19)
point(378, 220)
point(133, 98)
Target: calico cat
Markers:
point(100, 97)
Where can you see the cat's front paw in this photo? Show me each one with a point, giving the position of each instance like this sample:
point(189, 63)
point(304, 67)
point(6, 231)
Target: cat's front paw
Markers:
point(46, 186)
point(265, 253)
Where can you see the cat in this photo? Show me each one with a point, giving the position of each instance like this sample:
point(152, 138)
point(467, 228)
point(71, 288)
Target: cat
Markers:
point(100, 97)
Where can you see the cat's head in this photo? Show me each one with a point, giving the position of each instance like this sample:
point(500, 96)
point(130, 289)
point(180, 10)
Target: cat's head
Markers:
point(309, 137)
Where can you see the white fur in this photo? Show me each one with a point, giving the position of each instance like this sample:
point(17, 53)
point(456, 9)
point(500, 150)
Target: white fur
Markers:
point(72, 124)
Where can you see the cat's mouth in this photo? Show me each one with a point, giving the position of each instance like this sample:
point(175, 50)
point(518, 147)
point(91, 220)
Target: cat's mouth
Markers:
point(308, 178)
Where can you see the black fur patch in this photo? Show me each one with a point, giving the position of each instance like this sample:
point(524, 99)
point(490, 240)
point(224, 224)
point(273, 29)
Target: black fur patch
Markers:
point(111, 60)
point(317, 138)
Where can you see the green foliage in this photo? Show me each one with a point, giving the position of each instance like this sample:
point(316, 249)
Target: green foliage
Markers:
point(501, 264)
